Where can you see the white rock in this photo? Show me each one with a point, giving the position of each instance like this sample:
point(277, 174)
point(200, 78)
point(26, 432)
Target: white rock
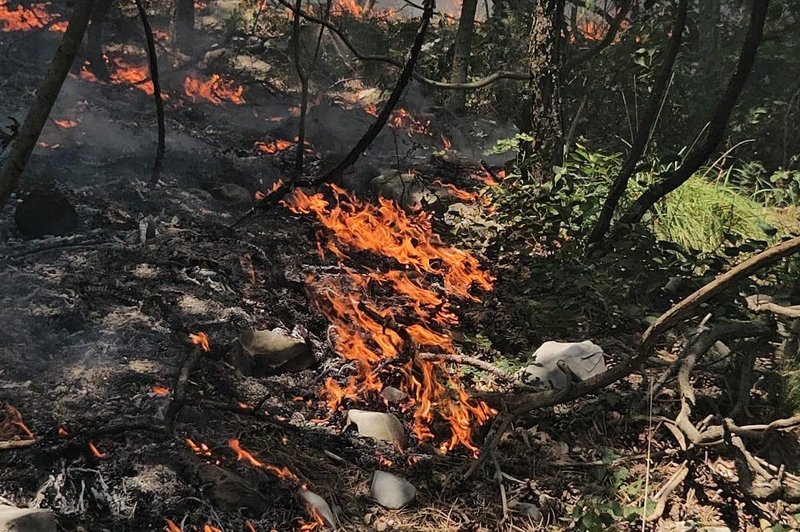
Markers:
point(378, 425)
point(585, 359)
point(391, 491)
point(319, 505)
point(14, 519)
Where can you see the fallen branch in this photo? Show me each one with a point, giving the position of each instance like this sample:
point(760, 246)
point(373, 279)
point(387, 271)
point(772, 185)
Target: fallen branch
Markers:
point(15, 444)
point(158, 163)
point(179, 395)
point(765, 305)
point(666, 490)
point(468, 360)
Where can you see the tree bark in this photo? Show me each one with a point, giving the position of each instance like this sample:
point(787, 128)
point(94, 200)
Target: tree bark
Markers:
point(462, 51)
point(717, 126)
point(94, 45)
point(184, 24)
point(45, 99)
point(542, 117)
point(644, 128)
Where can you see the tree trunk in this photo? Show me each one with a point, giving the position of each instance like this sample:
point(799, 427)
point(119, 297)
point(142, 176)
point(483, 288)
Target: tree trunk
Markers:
point(184, 24)
point(708, 22)
point(717, 126)
point(542, 117)
point(644, 129)
point(462, 51)
point(94, 44)
point(45, 98)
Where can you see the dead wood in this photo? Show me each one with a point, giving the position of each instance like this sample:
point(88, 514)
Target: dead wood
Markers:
point(468, 360)
point(179, 395)
point(760, 304)
point(666, 490)
point(158, 163)
point(15, 444)
point(45, 99)
point(376, 127)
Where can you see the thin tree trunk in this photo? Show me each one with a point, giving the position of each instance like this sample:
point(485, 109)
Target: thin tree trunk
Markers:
point(542, 116)
point(158, 163)
point(402, 81)
point(644, 128)
point(184, 24)
point(717, 126)
point(94, 43)
point(462, 51)
point(45, 99)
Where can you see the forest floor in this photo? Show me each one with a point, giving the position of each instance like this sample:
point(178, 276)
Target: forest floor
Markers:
point(96, 327)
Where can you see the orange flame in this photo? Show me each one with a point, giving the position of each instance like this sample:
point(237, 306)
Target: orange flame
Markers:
point(242, 454)
point(96, 452)
point(249, 526)
point(62, 432)
point(348, 6)
point(215, 90)
point(201, 340)
point(11, 424)
point(402, 119)
point(209, 528)
point(317, 520)
point(456, 192)
point(137, 76)
point(66, 123)
point(199, 449)
point(160, 391)
point(273, 146)
point(365, 330)
point(30, 18)
point(171, 526)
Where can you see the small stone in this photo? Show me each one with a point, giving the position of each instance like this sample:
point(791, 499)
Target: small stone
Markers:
point(259, 353)
point(391, 491)
point(378, 425)
point(381, 525)
point(46, 212)
point(531, 510)
point(393, 395)
point(233, 194)
point(316, 503)
point(14, 519)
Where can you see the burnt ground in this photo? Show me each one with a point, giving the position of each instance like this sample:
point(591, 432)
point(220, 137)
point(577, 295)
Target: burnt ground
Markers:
point(91, 323)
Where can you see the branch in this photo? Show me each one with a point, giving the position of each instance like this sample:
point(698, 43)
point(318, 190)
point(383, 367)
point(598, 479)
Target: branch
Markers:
point(388, 107)
point(158, 163)
point(760, 304)
point(644, 128)
point(608, 38)
point(468, 360)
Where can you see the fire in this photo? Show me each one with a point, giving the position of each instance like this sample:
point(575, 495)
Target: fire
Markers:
point(11, 424)
point(199, 449)
point(447, 145)
point(62, 432)
point(201, 340)
point(209, 528)
point(348, 6)
point(249, 527)
point(242, 454)
point(66, 123)
point(316, 523)
point(171, 526)
point(402, 119)
point(137, 76)
point(366, 330)
point(160, 391)
point(96, 452)
point(215, 90)
point(456, 192)
point(273, 146)
point(30, 18)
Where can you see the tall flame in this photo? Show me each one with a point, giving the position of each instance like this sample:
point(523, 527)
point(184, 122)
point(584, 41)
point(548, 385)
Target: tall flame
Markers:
point(384, 318)
point(215, 90)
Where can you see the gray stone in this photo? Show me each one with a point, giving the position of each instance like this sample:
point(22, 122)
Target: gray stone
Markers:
point(378, 425)
point(317, 504)
point(258, 353)
point(585, 359)
point(26, 519)
point(233, 193)
point(391, 491)
point(393, 395)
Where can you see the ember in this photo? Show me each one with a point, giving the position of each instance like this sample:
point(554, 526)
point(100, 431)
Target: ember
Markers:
point(201, 340)
point(62, 432)
point(96, 452)
point(160, 391)
point(364, 331)
point(30, 18)
point(242, 454)
point(201, 450)
point(66, 123)
point(273, 146)
point(215, 90)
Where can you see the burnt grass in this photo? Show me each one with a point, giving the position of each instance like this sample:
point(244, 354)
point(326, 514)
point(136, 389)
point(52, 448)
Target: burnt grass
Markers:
point(92, 322)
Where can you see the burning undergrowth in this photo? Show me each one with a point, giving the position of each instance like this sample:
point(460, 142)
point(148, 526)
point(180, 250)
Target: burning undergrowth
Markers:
point(387, 316)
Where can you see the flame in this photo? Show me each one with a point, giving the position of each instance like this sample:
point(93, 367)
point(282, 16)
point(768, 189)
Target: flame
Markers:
point(402, 119)
point(456, 192)
point(66, 123)
point(365, 324)
point(243, 406)
point(171, 526)
point(11, 424)
point(201, 340)
point(446, 143)
point(96, 452)
point(201, 450)
point(273, 146)
point(272, 189)
point(347, 6)
point(215, 90)
point(208, 528)
point(62, 432)
point(242, 454)
point(382, 460)
point(160, 391)
point(249, 527)
point(30, 18)
point(137, 76)
point(317, 520)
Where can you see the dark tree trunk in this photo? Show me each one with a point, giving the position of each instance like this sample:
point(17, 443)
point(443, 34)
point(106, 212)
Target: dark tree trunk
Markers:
point(45, 98)
point(709, 35)
point(542, 117)
point(184, 24)
point(644, 128)
point(462, 51)
point(717, 126)
point(94, 44)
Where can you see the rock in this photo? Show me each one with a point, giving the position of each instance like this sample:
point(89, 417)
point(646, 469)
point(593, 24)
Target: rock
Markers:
point(314, 502)
point(393, 395)
point(391, 491)
point(585, 359)
point(46, 212)
point(231, 492)
point(258, 353)
point(378, 425)
point(407, 190)
point(14, 519)
point(233, 193)
point(529, 509)
point(251, 66)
